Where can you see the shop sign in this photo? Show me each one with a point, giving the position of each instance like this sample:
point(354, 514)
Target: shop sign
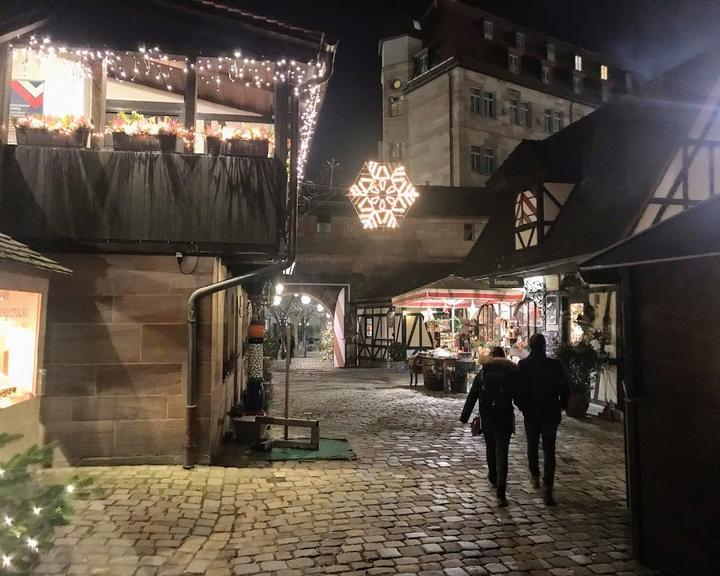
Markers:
point(27, 97)
point(506, 283)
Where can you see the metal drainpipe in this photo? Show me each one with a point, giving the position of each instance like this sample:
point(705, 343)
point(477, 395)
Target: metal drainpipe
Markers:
point(450, 131)
point(197, 295)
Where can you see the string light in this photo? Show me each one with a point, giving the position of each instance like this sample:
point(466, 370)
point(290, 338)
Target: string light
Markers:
point(32, 544)
point(8, 521)
point(6, 561)
point(70, 488)
point(2, 472)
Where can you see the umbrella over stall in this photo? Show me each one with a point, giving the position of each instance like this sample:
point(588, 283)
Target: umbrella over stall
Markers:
point(456, 292)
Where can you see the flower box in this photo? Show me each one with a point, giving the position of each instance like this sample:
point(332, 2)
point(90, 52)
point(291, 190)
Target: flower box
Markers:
point(213, 145)
point(41, 137)
point(135, 142)
point(252, 148)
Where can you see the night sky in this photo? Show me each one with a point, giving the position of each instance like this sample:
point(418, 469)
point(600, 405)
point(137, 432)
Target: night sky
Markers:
point(647, 36)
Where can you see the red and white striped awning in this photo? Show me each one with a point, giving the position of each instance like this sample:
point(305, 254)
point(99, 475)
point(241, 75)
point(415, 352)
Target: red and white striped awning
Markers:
point(455, 291)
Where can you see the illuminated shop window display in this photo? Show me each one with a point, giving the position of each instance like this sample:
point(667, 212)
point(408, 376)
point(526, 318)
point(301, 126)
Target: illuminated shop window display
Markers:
point(19, 322)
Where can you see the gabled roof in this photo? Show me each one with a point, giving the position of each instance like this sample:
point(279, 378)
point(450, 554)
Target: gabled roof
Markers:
point(18, 253)
point(693, 233)
point(615, 156)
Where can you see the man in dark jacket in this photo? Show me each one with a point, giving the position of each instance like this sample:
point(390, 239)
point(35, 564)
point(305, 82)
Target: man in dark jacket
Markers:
point(494, 388)
point(543, 392)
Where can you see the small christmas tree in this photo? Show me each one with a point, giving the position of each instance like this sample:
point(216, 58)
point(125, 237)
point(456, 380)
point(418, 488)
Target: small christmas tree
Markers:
point(29, 510)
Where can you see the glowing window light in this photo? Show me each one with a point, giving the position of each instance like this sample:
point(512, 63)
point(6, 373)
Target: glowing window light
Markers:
point(382, 195)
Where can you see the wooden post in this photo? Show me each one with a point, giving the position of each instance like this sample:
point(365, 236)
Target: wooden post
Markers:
point(5, 80)
point(98, 100)
point(288, 348)
point(191, 92)
point(282, 120)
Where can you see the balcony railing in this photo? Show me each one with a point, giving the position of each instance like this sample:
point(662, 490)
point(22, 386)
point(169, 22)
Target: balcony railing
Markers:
point(145, 201)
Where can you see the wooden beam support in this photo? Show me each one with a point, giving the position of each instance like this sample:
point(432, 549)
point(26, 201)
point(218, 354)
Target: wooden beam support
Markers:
point(191, 95)
point(98, 100)
point(5, 80)
point(282, 121)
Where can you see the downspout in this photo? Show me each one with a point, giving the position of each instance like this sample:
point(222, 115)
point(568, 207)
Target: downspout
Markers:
point(195, 298)
point(450, 126)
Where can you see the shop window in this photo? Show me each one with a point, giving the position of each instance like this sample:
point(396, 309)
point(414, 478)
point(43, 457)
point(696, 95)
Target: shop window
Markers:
point(19, 326)
point(577, 310)
point(323, 224)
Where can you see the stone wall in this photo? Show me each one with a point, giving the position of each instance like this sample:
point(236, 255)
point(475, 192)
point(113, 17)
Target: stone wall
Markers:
point(116, 355)
point(428, 138)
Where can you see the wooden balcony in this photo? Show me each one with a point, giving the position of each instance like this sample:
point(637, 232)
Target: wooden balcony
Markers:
point(81, 199)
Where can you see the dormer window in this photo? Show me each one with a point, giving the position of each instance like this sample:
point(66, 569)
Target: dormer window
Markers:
point(520, 40)
point(488, 30)
point(603, 72)
point(578, 63)
point(514, 63)
point(551, 52)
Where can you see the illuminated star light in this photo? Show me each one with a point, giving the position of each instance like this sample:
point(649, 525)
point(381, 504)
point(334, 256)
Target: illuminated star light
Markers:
point(382, 195)
point(6, 561)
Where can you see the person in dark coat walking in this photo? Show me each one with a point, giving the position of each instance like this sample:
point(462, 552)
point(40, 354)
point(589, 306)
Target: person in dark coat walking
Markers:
point(494, 388)
point(542, 395)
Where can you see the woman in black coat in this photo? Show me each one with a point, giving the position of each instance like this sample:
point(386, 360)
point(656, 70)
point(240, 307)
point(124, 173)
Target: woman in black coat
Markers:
point(494, 388)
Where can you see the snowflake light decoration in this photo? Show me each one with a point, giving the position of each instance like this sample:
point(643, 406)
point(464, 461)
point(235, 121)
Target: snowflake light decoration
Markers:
point(382, 195)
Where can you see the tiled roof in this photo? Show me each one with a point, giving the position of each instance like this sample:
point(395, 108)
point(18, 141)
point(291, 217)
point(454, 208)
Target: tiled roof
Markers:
point(17, 252)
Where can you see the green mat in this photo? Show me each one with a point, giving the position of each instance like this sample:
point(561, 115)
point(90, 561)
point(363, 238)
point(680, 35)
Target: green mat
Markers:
point(330, 449)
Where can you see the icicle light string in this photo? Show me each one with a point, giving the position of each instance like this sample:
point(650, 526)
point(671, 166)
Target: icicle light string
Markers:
point(153, 63)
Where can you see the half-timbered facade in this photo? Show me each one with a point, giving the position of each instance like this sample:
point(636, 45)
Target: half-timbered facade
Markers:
point(612, 174)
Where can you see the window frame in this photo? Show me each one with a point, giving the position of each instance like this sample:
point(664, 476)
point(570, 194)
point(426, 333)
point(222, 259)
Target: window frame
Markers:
point(548, 120)
point(551, 52)
point(396, 150)
point(396, 106)
point(514, 68)
point(519, 40)
point(578, 63)
point(476, 101)
point(476, 159)
point(488, 30)
point(489, 162)
point(604, 72)
point(488, 104)
point(545, 74)
point(577, 84)
point(525, 114)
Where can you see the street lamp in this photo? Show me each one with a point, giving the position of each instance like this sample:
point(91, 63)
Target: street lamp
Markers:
point(320, 308)
point(305, 299)
point(279, 289)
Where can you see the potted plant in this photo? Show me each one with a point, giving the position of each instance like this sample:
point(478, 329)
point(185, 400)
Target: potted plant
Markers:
point(398, 356)
point(250, 141)
point(66, 131)
point(136, 132)
point(213, 142)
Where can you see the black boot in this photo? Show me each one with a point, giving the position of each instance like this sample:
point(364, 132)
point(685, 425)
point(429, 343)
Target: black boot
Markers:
point(501, 499)
point(548, 497)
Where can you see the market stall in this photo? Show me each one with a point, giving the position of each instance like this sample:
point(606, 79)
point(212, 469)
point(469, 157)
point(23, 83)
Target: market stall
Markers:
point(450, 308)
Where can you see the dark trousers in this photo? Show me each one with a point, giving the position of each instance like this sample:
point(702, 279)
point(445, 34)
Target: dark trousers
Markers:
point(496, 448)
point(535, 430)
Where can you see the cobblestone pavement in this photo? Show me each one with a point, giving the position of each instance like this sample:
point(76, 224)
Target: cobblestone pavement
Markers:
point(415, 502)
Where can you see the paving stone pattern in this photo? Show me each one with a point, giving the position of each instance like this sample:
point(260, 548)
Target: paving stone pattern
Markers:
point(415, 502)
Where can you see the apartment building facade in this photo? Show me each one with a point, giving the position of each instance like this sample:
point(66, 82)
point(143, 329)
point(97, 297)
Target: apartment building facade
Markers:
point(463, 88)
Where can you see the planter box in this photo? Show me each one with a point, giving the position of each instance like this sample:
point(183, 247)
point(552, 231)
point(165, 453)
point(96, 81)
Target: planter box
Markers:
point(213, 145)
point(135, 143)
point(35, 137)
point(250, 148)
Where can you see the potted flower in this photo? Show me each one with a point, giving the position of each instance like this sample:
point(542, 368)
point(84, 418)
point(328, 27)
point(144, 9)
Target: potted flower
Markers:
point(136, 132)
point(584, 362)
point(398, 356)
point(248, 140)
point(43, 130)
point(213, 142)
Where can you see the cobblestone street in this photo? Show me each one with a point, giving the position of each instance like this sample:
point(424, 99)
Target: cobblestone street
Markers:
point(415, 501)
